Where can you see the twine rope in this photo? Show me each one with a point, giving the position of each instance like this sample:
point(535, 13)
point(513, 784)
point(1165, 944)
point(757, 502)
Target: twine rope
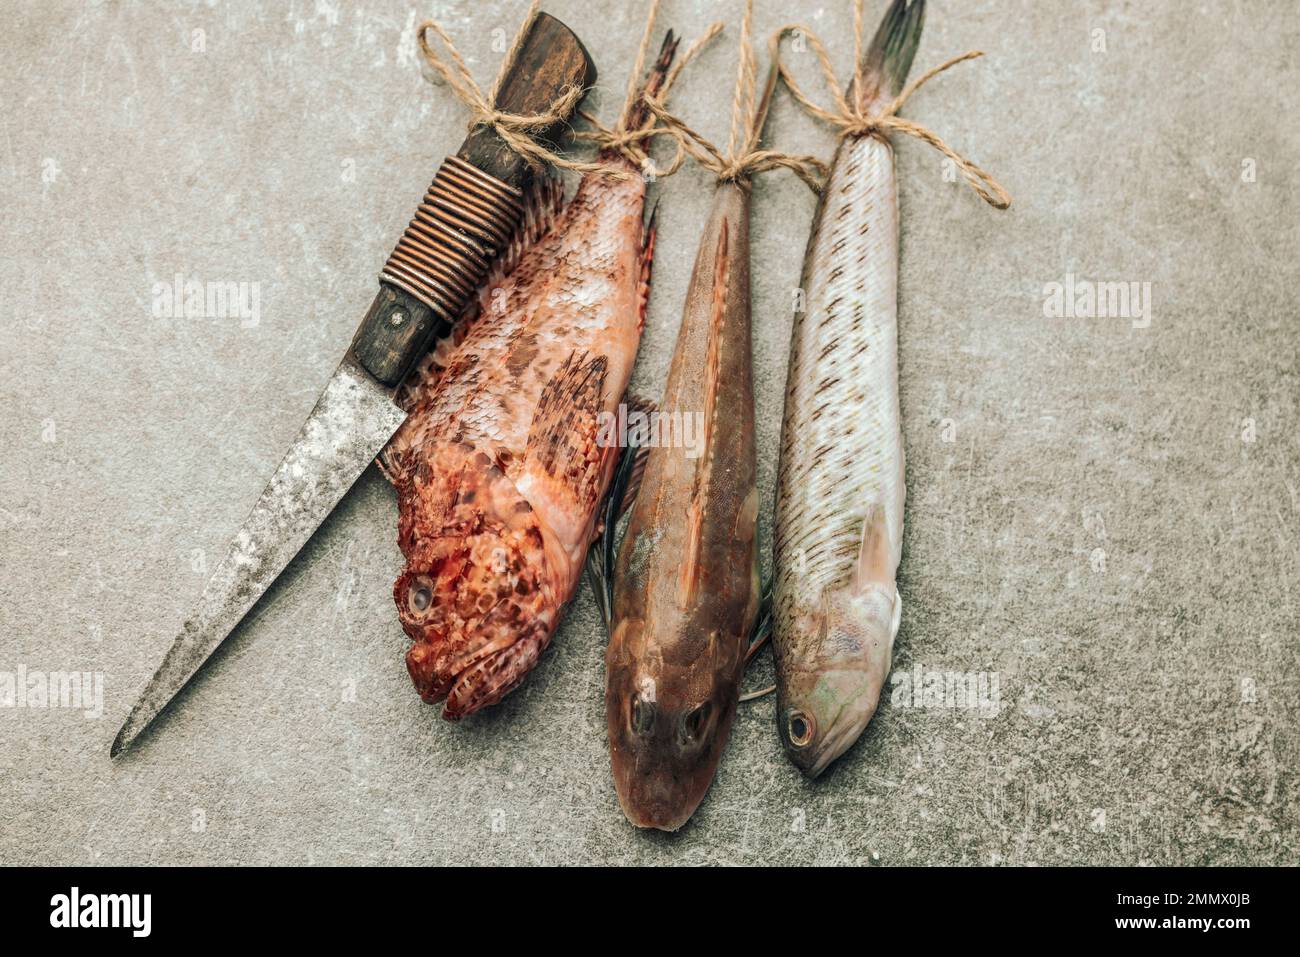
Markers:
point(852, 119)
point(625, 141)
point(514, 129)
point(743, 158)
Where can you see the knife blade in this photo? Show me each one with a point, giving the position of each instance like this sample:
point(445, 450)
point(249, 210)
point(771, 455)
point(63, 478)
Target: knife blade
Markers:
point(468, 216)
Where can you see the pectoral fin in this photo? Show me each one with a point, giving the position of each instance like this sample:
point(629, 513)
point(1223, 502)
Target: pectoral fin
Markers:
point(618, 501)
point(762, 630)
point(875, 565)
point(563, 460)
point(875, 555)
point(757, 639)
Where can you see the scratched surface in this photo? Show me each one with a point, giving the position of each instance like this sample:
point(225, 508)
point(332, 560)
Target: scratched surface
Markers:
point(1102, 520)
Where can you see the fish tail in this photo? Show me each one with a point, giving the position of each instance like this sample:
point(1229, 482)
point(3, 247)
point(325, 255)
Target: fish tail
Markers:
point(885, 65)
point(636, 113)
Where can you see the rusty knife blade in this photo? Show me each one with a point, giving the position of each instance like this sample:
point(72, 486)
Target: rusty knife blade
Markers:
point(353, 420)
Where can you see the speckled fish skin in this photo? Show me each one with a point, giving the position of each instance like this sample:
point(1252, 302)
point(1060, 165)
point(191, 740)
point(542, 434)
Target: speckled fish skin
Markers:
point(499, 472)
point(686, 586)
point(840, 485)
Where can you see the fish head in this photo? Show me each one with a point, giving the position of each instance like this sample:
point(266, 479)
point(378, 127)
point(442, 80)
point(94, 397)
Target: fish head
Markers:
point(668, 722)
point(825, 701)
point(477, 595)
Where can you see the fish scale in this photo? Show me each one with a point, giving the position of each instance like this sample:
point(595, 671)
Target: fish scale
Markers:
point(842, 446)
point(543, 308)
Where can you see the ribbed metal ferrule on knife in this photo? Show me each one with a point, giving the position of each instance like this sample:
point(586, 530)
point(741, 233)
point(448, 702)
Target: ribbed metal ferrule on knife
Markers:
point(466, 219)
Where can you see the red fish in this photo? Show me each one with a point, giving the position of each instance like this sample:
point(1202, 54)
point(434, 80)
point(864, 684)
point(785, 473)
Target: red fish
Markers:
point(500, 469)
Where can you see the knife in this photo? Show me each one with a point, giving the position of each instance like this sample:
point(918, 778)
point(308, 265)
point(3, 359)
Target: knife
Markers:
point(469, 214)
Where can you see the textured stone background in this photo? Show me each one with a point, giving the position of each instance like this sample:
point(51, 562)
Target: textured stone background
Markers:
point(1149, 705)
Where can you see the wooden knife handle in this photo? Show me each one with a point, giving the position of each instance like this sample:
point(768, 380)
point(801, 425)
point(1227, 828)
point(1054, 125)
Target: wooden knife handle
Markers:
point(469, 214)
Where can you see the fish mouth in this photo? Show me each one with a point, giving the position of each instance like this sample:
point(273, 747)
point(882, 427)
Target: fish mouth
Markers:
point(839, 740)
point(478, 678)
point(659, 818)
point(649, 805)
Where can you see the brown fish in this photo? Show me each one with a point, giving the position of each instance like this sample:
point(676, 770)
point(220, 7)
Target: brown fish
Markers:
point(686, 587)
point(684, 595)
point(499, 471)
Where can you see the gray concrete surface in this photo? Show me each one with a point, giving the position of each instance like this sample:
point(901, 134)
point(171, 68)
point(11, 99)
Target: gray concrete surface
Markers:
point(1103, 518)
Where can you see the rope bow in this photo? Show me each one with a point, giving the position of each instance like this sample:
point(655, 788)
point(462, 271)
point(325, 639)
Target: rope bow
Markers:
point(625, 139)
point(743, 158)
point(852, 119)
point(514, 129)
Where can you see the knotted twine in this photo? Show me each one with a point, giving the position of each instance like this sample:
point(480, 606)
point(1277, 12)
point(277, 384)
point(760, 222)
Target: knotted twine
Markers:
point(626, 141)
point(851, 119)
point(743, 158)
point(516, 130)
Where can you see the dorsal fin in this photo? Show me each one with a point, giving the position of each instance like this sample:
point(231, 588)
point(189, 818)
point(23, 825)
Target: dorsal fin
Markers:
point(543, 202)
point(692, 558)
point(647, 262)
point(542, 205)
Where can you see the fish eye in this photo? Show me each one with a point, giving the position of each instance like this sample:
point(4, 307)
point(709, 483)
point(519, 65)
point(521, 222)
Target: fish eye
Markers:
point(695, 721)
point(420, 596)
point(643, 715)
point(799, 728)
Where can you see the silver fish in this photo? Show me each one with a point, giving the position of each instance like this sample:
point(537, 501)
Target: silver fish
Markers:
point(840, 487)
